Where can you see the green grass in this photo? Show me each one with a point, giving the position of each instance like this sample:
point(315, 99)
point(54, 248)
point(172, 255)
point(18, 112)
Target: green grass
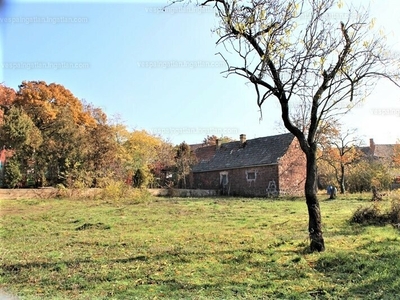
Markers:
point(193, 249)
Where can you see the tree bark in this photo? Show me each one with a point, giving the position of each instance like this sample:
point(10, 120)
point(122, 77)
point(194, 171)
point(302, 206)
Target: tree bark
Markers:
point(342, 187)
point(314, 213)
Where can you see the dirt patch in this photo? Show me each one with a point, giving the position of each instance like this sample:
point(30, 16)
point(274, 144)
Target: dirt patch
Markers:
point(16, 194)
point(14, 209)
point(10, 212)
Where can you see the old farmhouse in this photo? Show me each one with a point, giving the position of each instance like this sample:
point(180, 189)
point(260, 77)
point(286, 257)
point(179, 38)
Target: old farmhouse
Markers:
point(385, 154)
point(266, 166)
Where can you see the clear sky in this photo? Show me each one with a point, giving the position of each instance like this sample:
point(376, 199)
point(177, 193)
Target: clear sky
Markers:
point(158, 70)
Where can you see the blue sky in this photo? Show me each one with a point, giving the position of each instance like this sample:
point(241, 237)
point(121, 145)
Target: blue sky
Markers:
point(158, 70)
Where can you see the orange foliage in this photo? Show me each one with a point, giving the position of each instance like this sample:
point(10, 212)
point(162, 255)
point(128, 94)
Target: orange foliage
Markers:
point(46, 101)
point(7, 97)
point(342, 156)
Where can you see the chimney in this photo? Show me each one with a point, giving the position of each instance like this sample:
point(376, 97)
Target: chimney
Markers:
point(242, 139)
point(218, 143)
point(372, 146)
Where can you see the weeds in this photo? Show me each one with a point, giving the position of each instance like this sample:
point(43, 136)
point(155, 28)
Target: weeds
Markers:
point(375, 215)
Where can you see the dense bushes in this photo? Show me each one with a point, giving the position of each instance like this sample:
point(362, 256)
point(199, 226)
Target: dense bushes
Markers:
point(366, 174)
point(375, 215)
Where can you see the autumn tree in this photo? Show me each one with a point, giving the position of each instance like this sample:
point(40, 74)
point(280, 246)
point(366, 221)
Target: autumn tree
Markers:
point(365, 174)
point(303, 52)
point(7, 97)
point(18, 130)
point(163, 167)
point(184, 160)
point(44, 102)
point(102, 160)
point(59, 139)
point(63, 123)
point(19, 133)
point(142, 153)
point(340, 149)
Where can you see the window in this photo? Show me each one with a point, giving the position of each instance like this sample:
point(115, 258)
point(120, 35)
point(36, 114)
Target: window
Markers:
point(223, 178)
point(251, 176)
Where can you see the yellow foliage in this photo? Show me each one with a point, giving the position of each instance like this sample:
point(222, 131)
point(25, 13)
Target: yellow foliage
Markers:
point(241, 27)
point(141, 149)
point(262, 14)
point(372, 23)
point(396, 156)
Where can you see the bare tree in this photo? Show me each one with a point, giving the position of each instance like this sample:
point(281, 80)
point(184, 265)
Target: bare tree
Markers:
point(340, 149)
point(307, 51)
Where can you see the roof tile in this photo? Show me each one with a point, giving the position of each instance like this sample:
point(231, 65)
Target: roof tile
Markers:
point(259, 151)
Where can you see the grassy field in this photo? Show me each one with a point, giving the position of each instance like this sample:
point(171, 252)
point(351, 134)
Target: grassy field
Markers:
point(171, 248)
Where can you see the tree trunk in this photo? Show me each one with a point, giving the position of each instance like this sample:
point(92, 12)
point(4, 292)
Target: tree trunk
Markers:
point(342, 187)
point(314, 213)
point(375, 194)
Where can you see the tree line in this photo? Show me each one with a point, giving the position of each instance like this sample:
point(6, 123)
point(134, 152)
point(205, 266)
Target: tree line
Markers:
point(51, 137)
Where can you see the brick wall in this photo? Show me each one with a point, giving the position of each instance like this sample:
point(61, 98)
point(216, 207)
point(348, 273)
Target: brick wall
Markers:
point(239, 183)
point(292, 170)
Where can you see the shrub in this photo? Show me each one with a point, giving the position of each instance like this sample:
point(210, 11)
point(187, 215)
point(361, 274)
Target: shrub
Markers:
point(114, 190)
point(394, 213)
point(13, 175)
point(142, 178)
point(368, 215)
point(172, 192)
point(139, 196)
point(365, 174)
point(372, 215)
point(119, 191)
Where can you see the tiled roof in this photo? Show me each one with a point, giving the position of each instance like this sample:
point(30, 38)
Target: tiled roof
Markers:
point(194, 147)
point(384, 151)
point(366, 150)
point(205, 153)
point(232, 155)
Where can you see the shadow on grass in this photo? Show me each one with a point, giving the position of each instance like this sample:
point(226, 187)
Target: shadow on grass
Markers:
point(348, 229)
point(373, 272)
point(167, 283)
point(173, 253)
point(19, 267)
